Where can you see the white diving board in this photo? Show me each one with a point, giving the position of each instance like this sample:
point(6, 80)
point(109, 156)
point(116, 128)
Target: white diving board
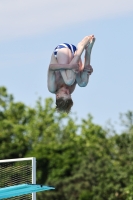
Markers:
point(18, 190)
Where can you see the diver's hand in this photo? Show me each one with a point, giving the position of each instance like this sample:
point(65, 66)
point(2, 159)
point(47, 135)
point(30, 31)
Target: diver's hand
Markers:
point(89, 69)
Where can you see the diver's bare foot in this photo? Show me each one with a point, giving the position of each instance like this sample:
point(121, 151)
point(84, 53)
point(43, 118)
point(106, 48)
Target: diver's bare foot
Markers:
point(86, 40)
point(83, 44)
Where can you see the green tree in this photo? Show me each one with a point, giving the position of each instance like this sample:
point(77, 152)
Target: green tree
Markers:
point(82, 161)
point(13, 119)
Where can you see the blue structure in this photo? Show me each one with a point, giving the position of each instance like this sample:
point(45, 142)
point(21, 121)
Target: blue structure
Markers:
point(22, 189)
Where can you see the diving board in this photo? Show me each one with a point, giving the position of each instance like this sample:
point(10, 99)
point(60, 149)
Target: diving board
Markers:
point(22, 189)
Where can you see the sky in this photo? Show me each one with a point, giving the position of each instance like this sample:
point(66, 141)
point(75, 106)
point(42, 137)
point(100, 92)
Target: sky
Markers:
point(31, 29)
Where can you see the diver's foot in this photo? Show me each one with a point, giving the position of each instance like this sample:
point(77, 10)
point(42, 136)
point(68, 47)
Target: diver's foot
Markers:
point(84, 44)
point(85, 41)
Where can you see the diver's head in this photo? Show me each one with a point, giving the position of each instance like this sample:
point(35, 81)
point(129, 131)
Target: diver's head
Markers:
point(63, 100)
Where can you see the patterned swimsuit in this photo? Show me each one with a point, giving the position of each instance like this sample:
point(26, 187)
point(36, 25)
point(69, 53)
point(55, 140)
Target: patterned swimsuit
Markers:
point(65, 45)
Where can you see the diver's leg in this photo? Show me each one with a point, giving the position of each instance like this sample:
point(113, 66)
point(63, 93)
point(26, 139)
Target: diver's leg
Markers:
point(82, 77)
point(80, 48)
point(88, 50)
point(64, 56)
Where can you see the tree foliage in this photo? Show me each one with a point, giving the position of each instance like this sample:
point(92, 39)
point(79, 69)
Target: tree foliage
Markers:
point(81, 160)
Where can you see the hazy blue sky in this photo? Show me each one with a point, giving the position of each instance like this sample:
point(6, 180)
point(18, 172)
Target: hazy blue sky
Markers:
point(31, 29)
